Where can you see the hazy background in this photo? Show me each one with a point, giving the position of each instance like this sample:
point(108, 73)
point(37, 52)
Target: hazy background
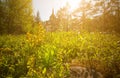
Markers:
point(45, 6)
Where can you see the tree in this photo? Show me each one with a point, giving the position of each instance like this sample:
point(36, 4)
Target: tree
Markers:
point(83, 12)
point(17, 16)
point(64, 17)
point(109, 10)
point(37, 17)
point(53, 25)
point(3, 18)
point(114, 6)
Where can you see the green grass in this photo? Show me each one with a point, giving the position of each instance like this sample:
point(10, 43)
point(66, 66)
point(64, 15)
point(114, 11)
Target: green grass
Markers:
point(48, 55)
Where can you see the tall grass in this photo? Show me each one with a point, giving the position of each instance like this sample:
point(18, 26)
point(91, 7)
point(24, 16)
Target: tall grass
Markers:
point(48, 55)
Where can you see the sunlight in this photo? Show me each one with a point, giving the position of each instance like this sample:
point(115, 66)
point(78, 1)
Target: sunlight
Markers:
point(59, 39)
point(74, 3)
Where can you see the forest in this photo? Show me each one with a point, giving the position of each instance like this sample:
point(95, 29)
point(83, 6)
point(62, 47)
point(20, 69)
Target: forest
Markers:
point(82, 43)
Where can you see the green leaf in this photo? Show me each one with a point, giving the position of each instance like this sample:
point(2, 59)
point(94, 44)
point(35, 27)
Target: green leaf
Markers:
point(44, 71)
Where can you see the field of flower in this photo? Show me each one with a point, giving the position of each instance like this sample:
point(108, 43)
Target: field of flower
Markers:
point(48, 55)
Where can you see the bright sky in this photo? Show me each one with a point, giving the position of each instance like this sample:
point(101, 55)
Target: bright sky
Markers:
point(45, 6)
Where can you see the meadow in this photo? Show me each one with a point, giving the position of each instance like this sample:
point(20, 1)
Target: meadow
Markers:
point(49, 54)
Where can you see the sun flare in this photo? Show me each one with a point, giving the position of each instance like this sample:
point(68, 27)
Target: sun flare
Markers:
point(73, 3)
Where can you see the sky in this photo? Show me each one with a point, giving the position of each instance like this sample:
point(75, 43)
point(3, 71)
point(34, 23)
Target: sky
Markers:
point(45, 6)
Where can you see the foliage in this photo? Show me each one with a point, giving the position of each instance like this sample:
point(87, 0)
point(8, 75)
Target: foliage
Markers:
point(16, 16)
point(91, 15)
point(39, 54)
point(49, 54)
